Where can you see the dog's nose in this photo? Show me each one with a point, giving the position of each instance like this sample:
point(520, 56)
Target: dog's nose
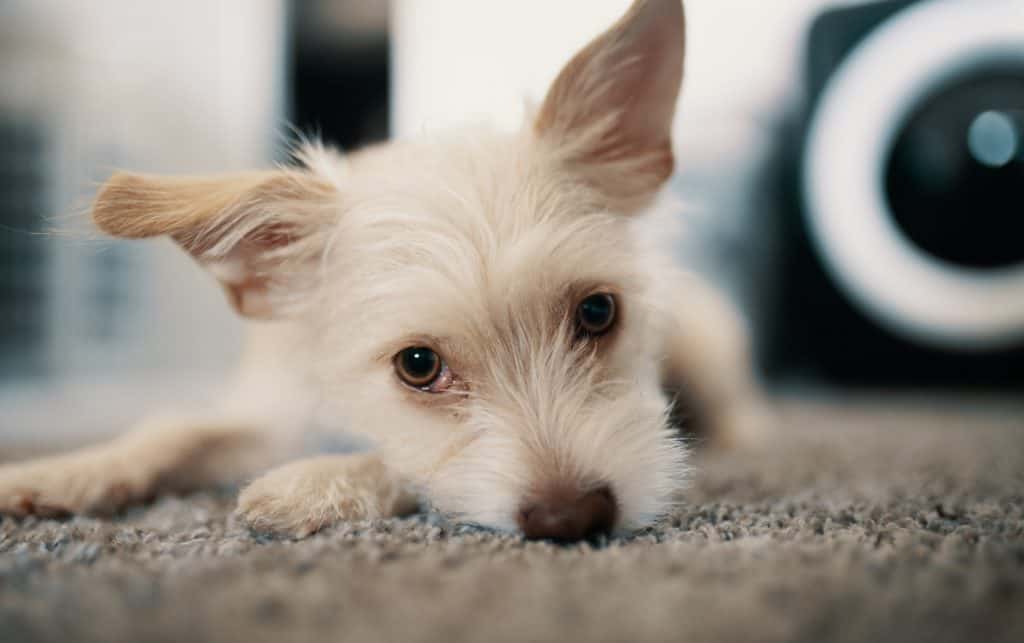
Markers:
point(568, 518)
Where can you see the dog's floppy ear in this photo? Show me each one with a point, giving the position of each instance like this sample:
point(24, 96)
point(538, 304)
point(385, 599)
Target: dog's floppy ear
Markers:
point(609, 112)
point(252, 230)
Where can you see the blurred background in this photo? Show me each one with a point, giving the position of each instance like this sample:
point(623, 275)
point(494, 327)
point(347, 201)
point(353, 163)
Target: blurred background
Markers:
point(853, 173)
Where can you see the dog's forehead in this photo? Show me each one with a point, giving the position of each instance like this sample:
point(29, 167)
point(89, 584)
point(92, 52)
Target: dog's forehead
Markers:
point(471, 233)
point(498, 181)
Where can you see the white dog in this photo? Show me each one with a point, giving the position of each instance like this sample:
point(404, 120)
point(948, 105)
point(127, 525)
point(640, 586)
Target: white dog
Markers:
point(487, 309)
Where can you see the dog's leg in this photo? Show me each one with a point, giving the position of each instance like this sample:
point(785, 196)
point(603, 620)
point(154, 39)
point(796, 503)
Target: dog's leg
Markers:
point(161, 455)
point(302, 497)
point(708, 368)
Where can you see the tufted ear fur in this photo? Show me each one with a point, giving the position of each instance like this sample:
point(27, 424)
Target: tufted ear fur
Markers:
point(252, 230)
point(609, 111)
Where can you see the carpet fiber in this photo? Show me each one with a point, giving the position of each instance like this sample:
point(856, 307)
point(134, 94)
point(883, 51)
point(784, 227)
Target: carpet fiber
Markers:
point(860, 522)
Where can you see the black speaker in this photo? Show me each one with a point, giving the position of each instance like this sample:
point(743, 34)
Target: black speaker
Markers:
point(899, 193)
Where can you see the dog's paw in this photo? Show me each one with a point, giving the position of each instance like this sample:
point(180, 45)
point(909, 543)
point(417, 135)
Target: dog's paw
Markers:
point(82, 483)
point(301, 498)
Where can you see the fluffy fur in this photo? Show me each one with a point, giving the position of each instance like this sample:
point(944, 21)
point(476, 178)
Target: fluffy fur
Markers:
point(478, 245)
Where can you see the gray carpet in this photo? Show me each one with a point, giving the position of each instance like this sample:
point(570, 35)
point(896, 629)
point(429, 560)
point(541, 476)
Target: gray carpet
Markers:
point(861, 522)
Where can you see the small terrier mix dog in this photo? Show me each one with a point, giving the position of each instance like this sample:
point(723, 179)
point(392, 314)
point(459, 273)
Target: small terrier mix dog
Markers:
point(492, 311)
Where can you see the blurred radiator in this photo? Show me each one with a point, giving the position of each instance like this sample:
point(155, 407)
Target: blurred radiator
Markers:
point(24, 258)
point(93, 330)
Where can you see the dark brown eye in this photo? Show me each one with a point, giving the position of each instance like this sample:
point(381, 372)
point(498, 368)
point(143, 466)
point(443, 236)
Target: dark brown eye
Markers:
point(596, 314)
point(419, 367)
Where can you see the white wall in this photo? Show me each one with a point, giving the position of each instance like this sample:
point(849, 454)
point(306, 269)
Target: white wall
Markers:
point(470, 59)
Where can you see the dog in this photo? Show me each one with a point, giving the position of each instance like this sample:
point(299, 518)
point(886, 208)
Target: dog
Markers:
point(497, 314)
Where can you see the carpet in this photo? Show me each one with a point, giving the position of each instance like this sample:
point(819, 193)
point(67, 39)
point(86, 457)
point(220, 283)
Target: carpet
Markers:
point(863, 520)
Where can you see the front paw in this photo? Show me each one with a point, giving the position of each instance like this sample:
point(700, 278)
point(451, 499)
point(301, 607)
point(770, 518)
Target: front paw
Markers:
point(83, 483)
point(301, 498)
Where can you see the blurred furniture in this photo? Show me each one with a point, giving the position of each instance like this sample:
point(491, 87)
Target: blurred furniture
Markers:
point(92, 330)
point(900, 196)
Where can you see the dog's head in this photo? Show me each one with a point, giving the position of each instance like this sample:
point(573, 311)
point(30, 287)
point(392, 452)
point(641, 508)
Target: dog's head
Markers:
point(482, 305)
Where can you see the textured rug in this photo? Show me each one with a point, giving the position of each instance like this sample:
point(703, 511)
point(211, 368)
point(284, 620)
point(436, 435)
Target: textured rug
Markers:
point(860, 522)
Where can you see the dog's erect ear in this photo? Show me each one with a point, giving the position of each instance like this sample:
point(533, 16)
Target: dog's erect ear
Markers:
point(252, 230)
point(610, 109)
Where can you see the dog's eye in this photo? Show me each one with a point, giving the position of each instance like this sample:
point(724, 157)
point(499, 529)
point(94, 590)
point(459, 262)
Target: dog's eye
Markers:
point(596, 314)
point(422, 368)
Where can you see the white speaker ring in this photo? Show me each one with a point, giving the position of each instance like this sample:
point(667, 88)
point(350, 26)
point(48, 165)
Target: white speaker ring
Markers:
point(853, 129)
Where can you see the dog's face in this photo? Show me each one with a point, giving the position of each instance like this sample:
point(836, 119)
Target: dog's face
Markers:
point(482, 306)
point(496, 328)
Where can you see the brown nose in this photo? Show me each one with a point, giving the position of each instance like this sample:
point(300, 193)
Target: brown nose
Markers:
point(569, 517)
